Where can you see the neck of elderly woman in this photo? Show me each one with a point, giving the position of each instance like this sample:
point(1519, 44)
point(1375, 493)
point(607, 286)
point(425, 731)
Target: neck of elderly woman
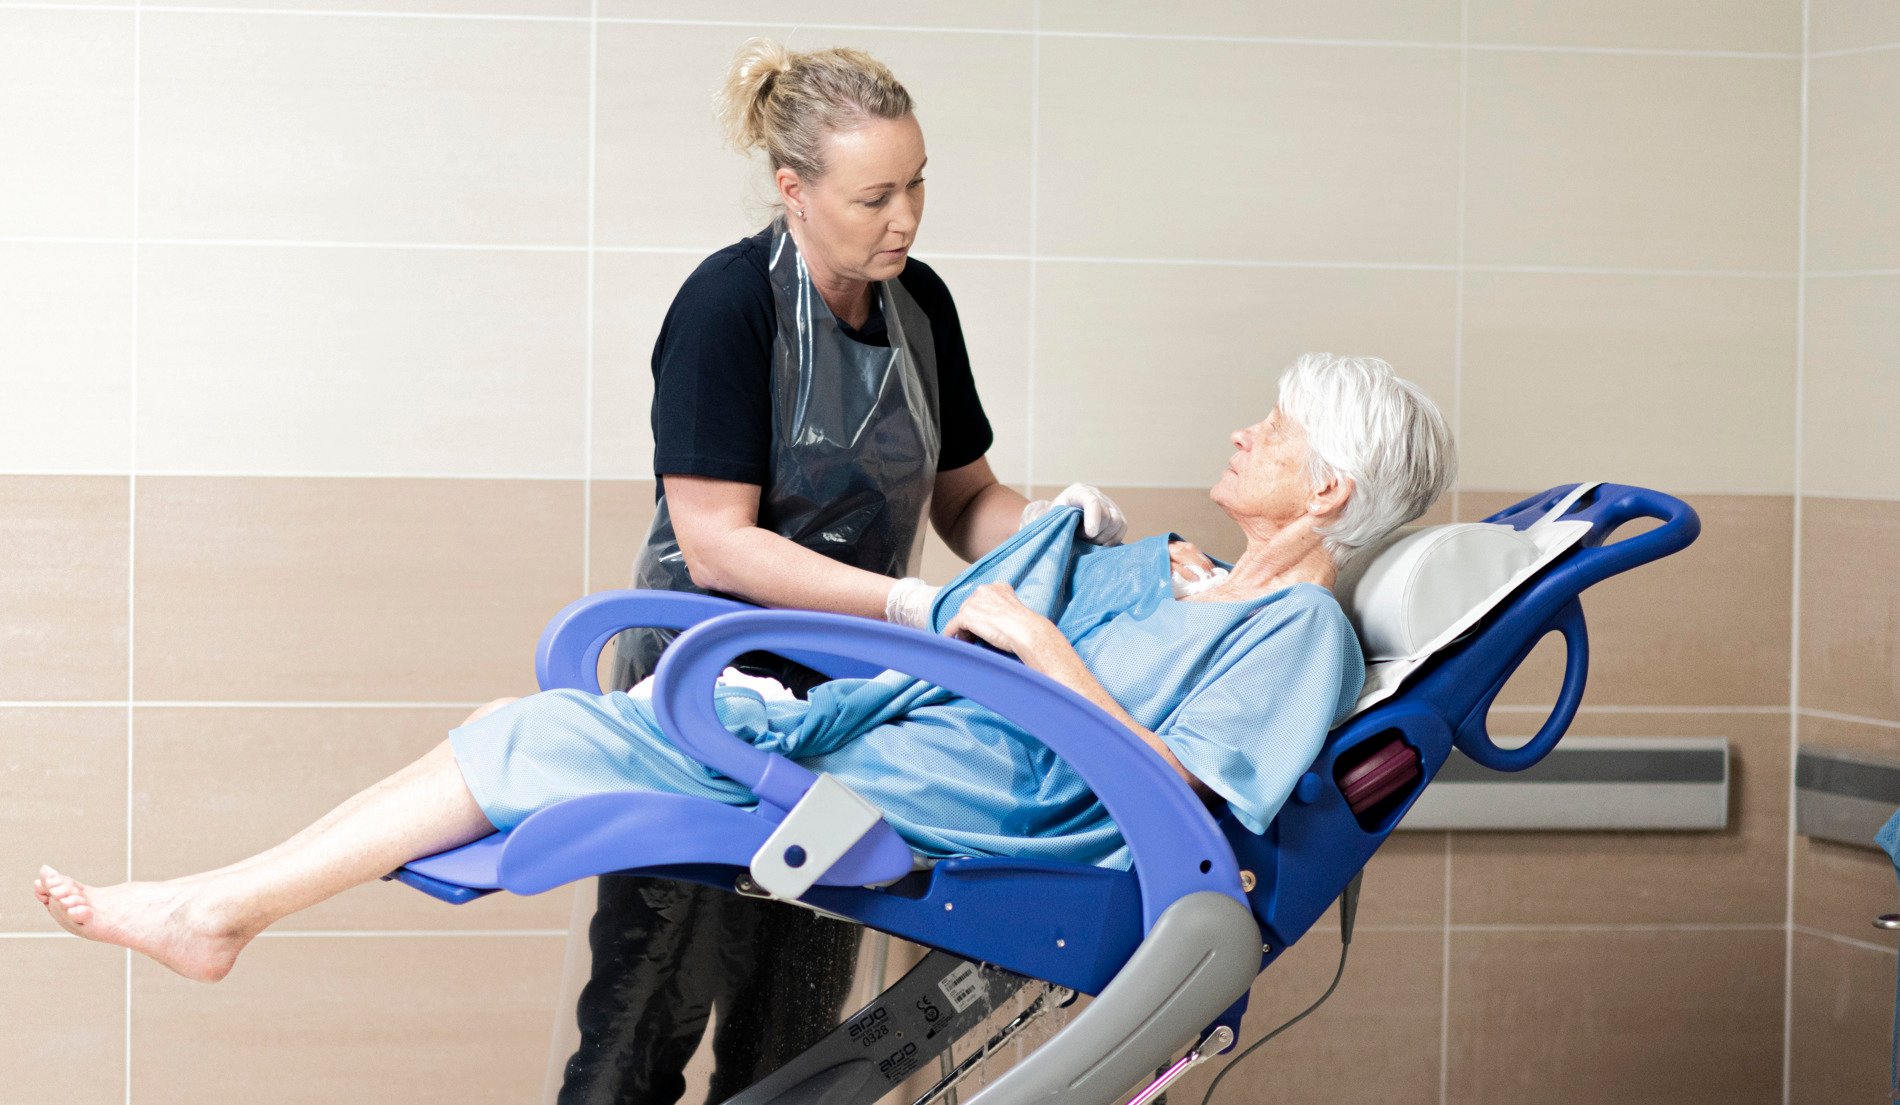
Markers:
point(1278, 557)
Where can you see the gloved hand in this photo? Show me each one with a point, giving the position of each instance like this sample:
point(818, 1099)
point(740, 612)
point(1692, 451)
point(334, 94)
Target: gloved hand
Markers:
point(909, 603)
point(1102, 521)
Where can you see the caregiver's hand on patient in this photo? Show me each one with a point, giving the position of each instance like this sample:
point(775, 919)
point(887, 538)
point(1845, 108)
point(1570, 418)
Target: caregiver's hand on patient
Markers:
point(994, 615)
point(1102, 521)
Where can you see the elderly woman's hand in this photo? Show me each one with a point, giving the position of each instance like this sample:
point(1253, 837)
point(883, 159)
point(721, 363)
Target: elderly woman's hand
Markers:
point(994, 615)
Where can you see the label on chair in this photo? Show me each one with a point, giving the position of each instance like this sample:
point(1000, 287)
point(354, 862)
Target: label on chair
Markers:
point(963, 986)
point(818, 831)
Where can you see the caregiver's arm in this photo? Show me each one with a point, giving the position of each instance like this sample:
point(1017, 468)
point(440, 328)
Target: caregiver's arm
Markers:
point(994, 614)
point(717, 523)
point(972, 512)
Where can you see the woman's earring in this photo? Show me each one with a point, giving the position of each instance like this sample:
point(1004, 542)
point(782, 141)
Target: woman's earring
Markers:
point(801, 212)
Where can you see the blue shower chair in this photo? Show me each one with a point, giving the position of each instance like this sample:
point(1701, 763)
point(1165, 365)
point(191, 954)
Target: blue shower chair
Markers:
point(1169, 948)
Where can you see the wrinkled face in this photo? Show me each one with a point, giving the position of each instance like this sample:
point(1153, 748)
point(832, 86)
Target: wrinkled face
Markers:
point(861, 216)
point(1267, 478)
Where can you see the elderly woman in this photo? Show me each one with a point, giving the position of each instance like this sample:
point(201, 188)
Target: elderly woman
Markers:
point(1235, 686)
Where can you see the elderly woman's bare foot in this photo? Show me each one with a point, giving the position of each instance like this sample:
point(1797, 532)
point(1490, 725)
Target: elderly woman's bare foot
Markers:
point(176, 923)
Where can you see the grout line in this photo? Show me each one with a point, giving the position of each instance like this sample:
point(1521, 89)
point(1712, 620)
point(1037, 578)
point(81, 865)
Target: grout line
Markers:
point(1830, 715)
point(587, 387)
point(186, 704)
point(242, 704)
point(1826, 274)
point(1458, 282)
point(1458, 409)
point(902, 28)
point(1686, 926)
point(956, 255)
point(1035, 245)
point(1849, 51)
point(1794, 582)
point(1864, 945)
point(1444, 986)
point(1590, 709)
point(179, 473)
point(1859, 498)
point(401, 934)
point(132, 500)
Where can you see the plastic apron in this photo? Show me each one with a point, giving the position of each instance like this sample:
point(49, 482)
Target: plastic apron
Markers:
point(854, 455)
point(854, 444)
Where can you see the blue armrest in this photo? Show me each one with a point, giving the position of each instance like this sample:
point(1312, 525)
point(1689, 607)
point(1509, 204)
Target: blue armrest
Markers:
point(568, 654)
point(1176, 846)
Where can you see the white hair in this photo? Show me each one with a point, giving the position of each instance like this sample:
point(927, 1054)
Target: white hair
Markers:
point(1385, 434)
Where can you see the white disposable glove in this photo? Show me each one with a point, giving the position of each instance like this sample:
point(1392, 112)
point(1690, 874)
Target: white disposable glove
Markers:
point(1102, 521)
point(909, 603)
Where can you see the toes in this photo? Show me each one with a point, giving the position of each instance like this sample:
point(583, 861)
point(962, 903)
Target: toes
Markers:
point(80, 914)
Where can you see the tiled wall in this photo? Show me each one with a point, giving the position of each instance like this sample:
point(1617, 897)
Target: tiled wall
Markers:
point(323, 336)
point(1849, 595)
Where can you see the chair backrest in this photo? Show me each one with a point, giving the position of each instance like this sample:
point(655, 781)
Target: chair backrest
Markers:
point(1372, 768)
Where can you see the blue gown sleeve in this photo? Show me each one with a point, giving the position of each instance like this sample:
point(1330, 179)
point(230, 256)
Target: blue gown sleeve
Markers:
point(1256, 721)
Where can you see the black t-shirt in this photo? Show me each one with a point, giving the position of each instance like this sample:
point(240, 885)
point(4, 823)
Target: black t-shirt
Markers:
point(712, 369)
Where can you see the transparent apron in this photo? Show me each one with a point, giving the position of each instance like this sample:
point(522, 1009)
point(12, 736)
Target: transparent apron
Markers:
point(854, 444)
point(853, 457)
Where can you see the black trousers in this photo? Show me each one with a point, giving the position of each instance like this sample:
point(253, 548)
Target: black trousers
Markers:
point(666, 954)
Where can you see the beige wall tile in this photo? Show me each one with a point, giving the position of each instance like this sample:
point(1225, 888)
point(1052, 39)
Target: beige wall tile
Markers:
point(64, 1008)
point(62, 596)
point(1850, 603)
point(1708, 626)
point(1735, 876)
point(632, 292)
point(1852, 24)
point(1854, 162)
point(1680, 383)
point(1375, 1039)
point(1377, 20)
point(1842, 1015)
point(1405, 882)
point(278, 770)
point(349, 590)
point(1615, 1017)
point(66, 110)
point(1850, 386)
point(1632, 161)
point(622, 511)
point(65, 772)
point(65, 357)
point(363, 129)
point(997, 14)
point(326, 1019)
point(1247, 151)
point(1753, 25)
point(993, 307)
point(1839, 888)
point(665, 177)
point(373, 362)
point(1143, 370)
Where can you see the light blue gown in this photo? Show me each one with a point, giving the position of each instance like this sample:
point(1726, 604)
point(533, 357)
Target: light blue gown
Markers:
point(1243, 693)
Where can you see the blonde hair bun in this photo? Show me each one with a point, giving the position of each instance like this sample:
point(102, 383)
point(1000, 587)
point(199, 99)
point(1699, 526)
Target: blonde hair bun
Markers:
point(787, 103)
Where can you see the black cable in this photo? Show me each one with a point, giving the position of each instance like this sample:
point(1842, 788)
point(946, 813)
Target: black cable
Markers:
point(1348, 910)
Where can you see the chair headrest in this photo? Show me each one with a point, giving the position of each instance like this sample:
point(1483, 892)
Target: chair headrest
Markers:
point(1406, 591)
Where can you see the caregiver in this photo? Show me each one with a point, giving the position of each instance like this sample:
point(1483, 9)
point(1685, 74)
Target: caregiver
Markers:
point(812, 400)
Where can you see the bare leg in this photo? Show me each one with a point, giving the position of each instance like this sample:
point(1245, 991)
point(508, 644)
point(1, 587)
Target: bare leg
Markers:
point(197, 925)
